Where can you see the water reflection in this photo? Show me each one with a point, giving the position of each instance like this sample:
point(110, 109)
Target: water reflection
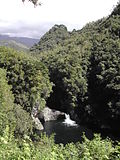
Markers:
point(66, 134)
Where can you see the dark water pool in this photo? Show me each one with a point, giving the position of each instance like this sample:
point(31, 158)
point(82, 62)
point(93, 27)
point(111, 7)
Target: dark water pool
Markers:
point(65, 134)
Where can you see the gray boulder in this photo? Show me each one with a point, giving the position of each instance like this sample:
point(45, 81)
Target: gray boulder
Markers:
point(34, 115)
point(38, 124)
point(48, 114)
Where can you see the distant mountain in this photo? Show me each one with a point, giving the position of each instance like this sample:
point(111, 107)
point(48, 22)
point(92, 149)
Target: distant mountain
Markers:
point(13, 44)
point(28, 42)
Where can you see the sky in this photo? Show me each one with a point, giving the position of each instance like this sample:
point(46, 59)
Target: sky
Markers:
point(24, 20)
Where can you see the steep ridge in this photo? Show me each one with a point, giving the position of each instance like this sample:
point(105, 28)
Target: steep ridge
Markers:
point(55, 36)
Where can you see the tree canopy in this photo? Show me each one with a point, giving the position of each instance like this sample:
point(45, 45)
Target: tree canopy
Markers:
point(27, 76)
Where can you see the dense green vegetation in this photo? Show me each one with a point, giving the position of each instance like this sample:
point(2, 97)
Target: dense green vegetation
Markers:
point(28, 77)
point(85, 69)
point(6, 103)
point(55, 36)
point(77, 72)
point(30, 86)
point(46, 149)
point(11, 115)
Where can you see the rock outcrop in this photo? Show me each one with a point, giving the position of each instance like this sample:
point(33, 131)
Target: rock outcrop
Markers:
point(34, 115)
point(48, 114)
point(38, 124)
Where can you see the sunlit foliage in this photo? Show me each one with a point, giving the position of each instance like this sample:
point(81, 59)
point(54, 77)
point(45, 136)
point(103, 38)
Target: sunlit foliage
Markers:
point(28, 77)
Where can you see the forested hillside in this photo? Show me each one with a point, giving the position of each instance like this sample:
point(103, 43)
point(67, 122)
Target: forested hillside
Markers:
point(84, 65)
point(53, 38)
point(75, 72)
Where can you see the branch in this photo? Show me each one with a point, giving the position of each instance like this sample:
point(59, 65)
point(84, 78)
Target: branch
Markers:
point(35, 2)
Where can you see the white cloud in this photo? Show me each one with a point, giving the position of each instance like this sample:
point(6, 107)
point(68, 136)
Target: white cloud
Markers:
point(25, 20)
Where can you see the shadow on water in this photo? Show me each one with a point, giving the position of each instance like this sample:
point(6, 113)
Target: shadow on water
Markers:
point(66, 134)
